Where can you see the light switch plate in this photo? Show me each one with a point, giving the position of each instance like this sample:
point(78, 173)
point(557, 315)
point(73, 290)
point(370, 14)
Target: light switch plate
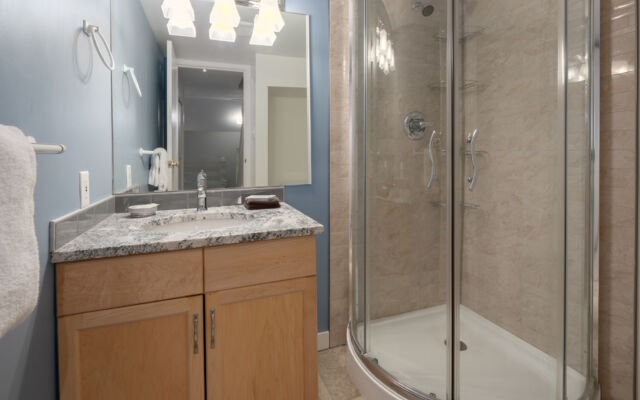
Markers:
point(85, 197)
point(129, 177)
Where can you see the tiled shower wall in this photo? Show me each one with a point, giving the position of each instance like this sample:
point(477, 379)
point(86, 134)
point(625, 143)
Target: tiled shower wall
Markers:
point(403, 257)
point(617, 198)
point(512, 256)
point(403, 215)
point(340, 172)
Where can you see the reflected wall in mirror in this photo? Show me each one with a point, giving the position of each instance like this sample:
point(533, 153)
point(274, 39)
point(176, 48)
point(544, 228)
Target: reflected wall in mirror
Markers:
point(238, 111)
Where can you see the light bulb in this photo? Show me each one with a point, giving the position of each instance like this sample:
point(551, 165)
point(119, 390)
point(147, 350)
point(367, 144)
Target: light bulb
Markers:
point(223, 33)
point(263, 33)
point(225, 12)
point(270, 12)
point(181, 26)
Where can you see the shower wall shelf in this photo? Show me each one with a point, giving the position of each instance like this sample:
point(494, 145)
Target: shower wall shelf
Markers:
point(468, 84)
point(466, 206)
point(469, 33)
point(467, 152)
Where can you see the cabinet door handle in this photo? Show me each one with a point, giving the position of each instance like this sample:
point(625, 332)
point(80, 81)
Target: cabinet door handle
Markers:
point(213, 328)
point(195, 333)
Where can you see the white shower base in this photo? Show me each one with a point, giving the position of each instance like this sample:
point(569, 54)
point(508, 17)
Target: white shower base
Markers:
point(496, 366)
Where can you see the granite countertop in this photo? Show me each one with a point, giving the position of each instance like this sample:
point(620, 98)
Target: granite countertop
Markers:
point(119, 235)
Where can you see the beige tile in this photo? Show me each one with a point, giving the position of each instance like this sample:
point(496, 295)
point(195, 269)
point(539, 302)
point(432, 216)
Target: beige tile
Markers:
point(333, 372)
point(323, 393)
point(618, 185)
point(340, 159)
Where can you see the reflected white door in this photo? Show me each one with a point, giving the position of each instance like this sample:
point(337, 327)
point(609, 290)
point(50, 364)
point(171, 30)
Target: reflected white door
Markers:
point(173, 115)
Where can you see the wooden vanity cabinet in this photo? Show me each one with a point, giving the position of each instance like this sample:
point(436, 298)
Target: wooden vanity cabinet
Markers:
point(261, 312)
point(145, 326)
point(144, 351)
point(262, 341)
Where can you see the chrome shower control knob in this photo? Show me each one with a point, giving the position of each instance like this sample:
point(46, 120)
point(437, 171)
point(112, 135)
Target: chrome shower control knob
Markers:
point(415, 125)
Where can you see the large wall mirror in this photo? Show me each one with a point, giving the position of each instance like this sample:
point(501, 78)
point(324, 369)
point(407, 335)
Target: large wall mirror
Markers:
point(233, 101)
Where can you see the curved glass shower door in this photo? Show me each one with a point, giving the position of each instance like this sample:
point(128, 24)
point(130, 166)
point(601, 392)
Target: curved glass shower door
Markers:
point(402, 314)
point(475, 190)
point(522, 143)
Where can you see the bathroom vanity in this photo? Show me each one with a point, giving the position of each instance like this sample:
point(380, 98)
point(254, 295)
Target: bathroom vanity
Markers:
point(151, 309)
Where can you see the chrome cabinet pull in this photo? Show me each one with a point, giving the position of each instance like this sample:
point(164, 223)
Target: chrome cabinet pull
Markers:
point(471, 139)
point(435, 139)
point(195, 333)
point(213, 328)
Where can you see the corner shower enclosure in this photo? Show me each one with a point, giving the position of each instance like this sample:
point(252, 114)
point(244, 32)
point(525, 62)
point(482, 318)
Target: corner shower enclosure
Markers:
point(475, 198)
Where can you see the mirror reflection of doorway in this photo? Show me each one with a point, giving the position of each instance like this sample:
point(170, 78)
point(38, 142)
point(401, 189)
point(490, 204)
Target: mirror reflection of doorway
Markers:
point(212, 126)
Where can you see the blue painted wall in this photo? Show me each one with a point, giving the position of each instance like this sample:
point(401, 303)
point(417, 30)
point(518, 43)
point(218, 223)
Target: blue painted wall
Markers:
point(313, 199)
point(54, 87)
point(137, 121)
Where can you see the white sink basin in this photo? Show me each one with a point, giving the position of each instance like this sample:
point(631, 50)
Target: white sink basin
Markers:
point(197, 225)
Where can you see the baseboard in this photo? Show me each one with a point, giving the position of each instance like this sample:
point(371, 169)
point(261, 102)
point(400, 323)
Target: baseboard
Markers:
point(323, 340)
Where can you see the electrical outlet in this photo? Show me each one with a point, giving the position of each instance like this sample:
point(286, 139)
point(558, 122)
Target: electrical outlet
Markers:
point(129, 177)
point(85, 197)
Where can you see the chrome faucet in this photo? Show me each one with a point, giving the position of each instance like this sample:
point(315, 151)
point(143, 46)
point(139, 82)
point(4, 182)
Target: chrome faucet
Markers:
point(202, 191)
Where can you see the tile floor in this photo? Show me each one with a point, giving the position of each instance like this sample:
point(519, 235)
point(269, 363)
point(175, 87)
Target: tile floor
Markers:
point(333, 379)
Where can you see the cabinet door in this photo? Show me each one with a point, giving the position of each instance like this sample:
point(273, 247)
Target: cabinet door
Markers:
point(262, 342)
point(148, 351)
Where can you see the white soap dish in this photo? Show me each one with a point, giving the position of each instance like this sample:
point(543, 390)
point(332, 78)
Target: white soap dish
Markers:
point(143, 210)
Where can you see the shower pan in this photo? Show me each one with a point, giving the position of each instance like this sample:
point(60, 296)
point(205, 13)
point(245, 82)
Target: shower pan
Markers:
point(475, 156)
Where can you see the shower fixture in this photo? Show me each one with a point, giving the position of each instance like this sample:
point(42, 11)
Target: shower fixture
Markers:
point(415, 125)
point(425, 9)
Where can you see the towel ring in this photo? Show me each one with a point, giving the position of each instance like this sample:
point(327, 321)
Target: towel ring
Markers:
point(92, 30)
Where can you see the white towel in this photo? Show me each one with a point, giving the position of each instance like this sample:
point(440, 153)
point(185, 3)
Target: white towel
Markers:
point(159, 171)
point(19, 258)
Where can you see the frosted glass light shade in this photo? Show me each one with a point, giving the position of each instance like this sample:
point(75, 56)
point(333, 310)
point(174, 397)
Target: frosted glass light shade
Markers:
point(222, 33)
point(263, 33)
point(169, 6)
point(225, 12)
point(270, 13)
point(181, 27)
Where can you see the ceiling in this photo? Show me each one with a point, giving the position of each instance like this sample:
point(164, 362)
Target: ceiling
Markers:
point(194, 82)
point(291, 41)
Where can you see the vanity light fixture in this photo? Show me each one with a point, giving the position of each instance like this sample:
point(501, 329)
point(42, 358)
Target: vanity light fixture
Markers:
point(263, 33)
point(224, 19)
point(168, 6)
point(181, 17)
point(268, 21)
point(270, 14)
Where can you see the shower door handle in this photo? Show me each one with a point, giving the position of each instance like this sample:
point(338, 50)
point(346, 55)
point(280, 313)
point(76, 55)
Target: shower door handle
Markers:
point(471, 139)
point(433, 140)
